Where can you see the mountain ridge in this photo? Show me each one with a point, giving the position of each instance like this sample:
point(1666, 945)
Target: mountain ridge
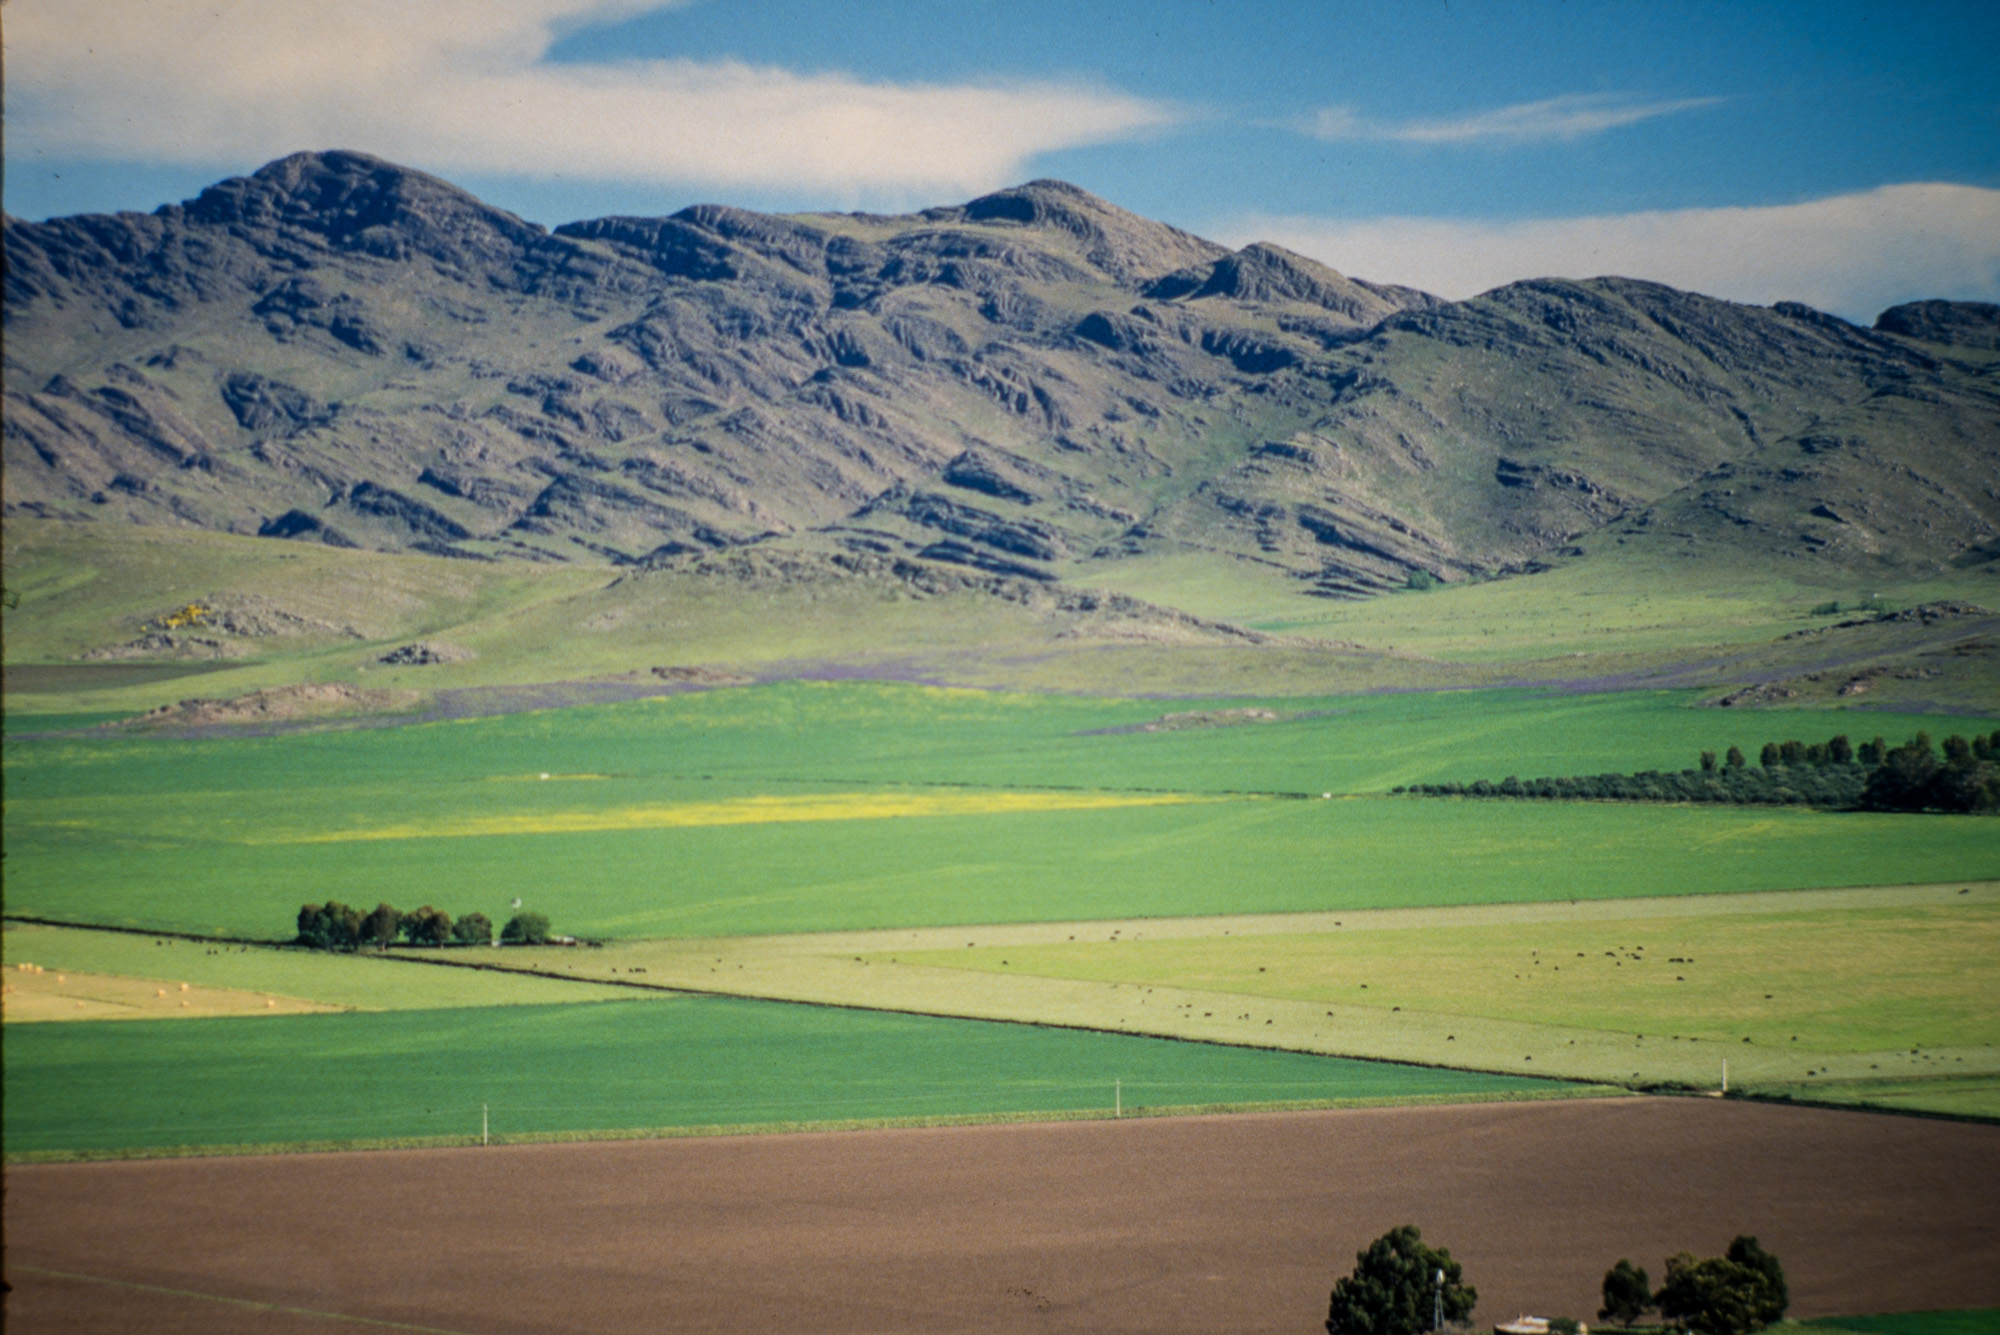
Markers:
point(1035, 383)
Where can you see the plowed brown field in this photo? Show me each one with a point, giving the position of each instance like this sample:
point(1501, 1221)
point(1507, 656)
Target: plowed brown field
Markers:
point(1217, 1224)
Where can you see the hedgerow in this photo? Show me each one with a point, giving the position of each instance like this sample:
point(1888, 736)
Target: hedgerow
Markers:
point(1832, 775)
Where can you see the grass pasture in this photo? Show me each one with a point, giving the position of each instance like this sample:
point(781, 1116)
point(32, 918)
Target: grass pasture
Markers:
point(1875, 996)
point(643, 1066)
point(814, 807)
point(1887, 997)
point(43, 995)
point(304, 978)
point(1853, 979)
point(811, 835)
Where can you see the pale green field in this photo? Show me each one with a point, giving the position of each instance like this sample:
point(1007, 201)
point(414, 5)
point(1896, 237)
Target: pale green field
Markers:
point(1877, 984)
point(359, 982)
point(1839, 980)
point(1911, 968)
point(1955, 1096)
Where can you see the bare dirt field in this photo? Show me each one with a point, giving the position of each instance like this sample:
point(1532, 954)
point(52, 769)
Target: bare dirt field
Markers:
point(1200, 1224)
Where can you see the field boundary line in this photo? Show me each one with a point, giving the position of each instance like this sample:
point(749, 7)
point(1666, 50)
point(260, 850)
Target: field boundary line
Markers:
point(393, 957)
point(250, 1303)
point(1752, 1094)
point(1282, 923)
point(1129, 1113)
point(178, 935)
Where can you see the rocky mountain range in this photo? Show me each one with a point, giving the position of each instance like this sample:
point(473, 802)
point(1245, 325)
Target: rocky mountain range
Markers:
point(1033, 384)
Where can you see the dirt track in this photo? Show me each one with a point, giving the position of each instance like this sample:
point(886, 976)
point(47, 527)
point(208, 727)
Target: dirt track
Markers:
point(1211, 1224)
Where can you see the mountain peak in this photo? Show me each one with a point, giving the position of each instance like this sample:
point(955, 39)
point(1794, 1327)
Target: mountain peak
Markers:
point(1269, 274)
point(1129, 248)
point(359, 202)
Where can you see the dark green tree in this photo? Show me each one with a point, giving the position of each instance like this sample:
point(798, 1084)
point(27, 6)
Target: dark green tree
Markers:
point(426, 927)
point(1720, 1296)
point(474, 929)
point(1904, 779)
point(1973, 786)
point(1791, 753)
point(1734, 759)
point(1394, 1288)
point(1768, 758)
point(1628, 1293)
point(1708, 762)
point(379, 928)
point(525, 929)
point(1744, 1251)
point(329, 926)
point(1840, 750)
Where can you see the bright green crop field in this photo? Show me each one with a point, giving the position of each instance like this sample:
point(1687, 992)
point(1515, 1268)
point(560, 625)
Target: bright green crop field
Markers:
point(810, 807)
point(820, 807)
point(632, 1066)
point(1960, 1321)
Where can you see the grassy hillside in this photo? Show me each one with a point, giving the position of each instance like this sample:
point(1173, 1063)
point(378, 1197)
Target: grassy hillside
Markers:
point(86, 637)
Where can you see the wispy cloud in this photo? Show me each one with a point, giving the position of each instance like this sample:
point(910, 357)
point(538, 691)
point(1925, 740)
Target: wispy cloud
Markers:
point(463, 85)
point(1556, 118)
point(1851, 254)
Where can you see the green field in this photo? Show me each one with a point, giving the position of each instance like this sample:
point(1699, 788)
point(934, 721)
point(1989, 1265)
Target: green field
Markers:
point(777, 809)
point(745, 817)
point(637, 1066)
point(1961, 1321)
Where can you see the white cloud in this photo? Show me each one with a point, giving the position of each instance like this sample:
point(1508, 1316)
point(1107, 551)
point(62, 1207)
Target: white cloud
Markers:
point(1568, 117)
point(1851, 254)
point(461, 85)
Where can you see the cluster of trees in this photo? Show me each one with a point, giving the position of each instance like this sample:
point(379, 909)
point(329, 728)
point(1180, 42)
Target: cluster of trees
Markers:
point(1402, 1286)
point(1740, 1291)
point(337, 926)
point(1913, 777)
point(1832, 774)
point(1397, 1288)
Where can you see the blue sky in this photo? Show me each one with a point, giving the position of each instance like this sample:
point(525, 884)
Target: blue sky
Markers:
point(1844, 154)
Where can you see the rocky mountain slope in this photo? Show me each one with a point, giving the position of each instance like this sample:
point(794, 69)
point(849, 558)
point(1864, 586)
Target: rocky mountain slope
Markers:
point(1035, 384)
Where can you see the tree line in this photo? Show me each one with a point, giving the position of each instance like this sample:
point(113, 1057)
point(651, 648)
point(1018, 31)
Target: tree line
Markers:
point(337, 926)
point(1963, 776)
point(1402, 1286)
point(1742, 1290)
